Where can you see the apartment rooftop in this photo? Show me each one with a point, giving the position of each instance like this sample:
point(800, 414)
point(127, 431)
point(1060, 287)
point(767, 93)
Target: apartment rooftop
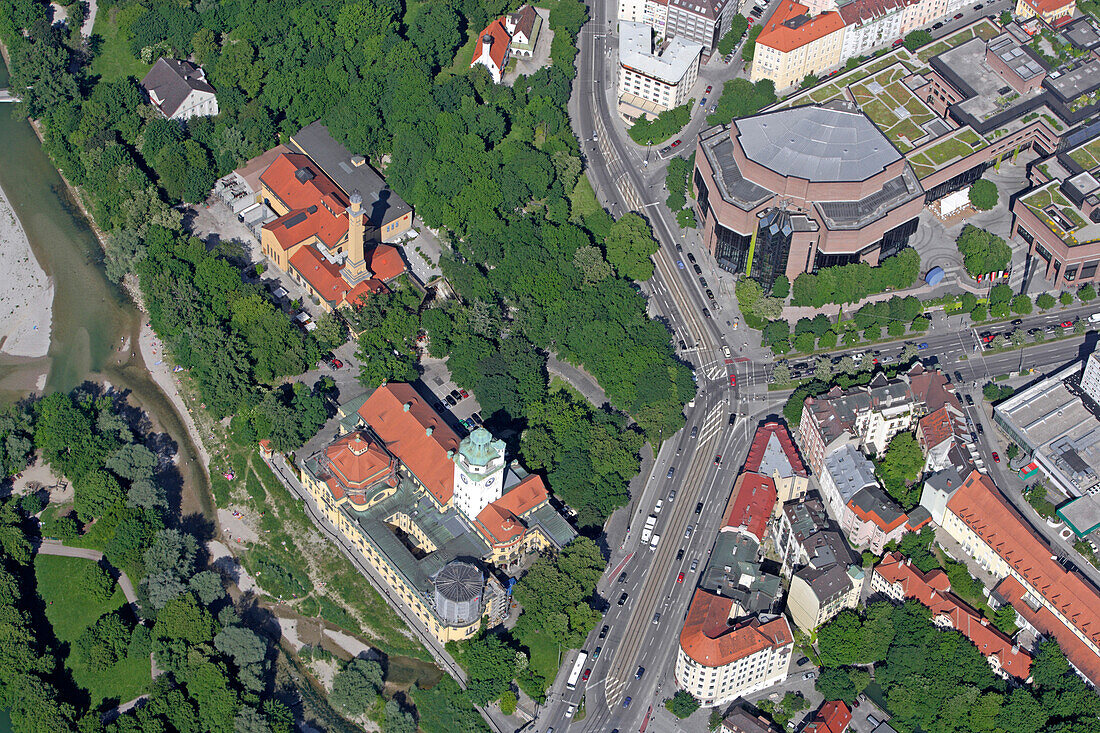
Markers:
point(1061, 216)
point(668, 64)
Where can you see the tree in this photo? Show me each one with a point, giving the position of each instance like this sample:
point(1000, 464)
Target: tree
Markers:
point(1066, 299)
point(983, 194)
point(781, 288)
point(836, 684)
point(978, 313)
point(395, 719)
point(1004, 618)
point(508, 702)
point(983, 252)
point(331, 331)
point(1045, 301)
point(490, 666)
point(920, 325)
point(629, 247)
point(682, 704)
point(917, 38)
point(590, 261)
point(1087, 293)
point(356, 686)
point(781, 373)
point(899, 469)
point(95, 582)
point(1021, 305)
point(248, 651)
point(104, 642)
point(749, 49)
point(810, 80)
point(738, 25)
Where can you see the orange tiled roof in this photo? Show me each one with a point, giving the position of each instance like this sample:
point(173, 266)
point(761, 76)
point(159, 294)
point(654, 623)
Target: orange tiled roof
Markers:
point(786, 30)
point(316, 204)
point(500, 521)
point(933, 590)
point(936, 427)
point(710, 639)
point(359, 294)
point(417, 435)
point(980, 506)
point(357, 462)
point(833, 717)
point(385, 262)
point(760, 443)
point(499, 47)
point(322, 275)
point(751, 504)
point(1044, 7)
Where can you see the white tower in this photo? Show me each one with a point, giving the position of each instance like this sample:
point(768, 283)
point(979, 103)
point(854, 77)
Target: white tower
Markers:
point(479, 472)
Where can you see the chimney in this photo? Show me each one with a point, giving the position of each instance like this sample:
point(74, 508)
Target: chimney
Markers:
point(408, 406)
point(486, 44)
point(428, 431)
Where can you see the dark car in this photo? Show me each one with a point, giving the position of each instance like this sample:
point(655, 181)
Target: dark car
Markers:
point(622, 599)
point(969, 400)
point(639, 672)
point(698, 270)
point(710, 294)
point(683, 345)
point(476, 417)
point(456, 394)
point(922, 345)
point(451, 401)
point(699, 508)
point(680, 554)
point(958, 16)
point(706, 313)
point(671, 471)
point(622, 577)
point(626, 701)
point(671, 496)
point(718, 460)
point(603, 632)
point(1018, 322)
point(802, 660)
point(596, 654)
point(980, 431)
point(937, 26)
point(703, 102)
point(702, 281)
point(666, 149)
point(694, 430)
point(691, 258)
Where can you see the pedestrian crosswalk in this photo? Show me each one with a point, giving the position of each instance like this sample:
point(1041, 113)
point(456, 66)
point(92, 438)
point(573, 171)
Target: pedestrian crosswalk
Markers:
point(712, 424)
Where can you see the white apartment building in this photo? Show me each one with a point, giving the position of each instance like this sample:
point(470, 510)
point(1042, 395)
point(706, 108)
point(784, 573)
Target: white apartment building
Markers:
point(1090, 378)
point(701, 21)
point(720, 659)
point(652, 80)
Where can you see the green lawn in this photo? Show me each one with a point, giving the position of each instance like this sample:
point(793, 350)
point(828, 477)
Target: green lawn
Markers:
point(583, 199)
point(69, 613)
point(114, 60)
point(545, 655)
point(462, 58)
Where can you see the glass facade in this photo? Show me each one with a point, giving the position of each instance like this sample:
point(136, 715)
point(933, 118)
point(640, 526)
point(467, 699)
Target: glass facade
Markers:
point(773, 246)
point(954, 184)
point(704, 195)
point(897, 239)
point(731, 250)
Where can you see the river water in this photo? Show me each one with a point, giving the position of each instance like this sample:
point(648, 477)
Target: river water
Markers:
point(91, 316)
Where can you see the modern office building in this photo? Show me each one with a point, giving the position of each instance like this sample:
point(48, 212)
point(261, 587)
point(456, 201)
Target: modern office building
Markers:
point(654, 79)
point(701, 21)
point(789, 191)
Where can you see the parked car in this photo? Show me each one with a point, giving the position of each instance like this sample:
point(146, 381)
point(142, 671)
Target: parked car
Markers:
point(980, 431)
point(898, 42)
point(691, 258)
point(702, 281)
point(808, 676)
point(710, 294)
point(703, 102)
point(802, 660)
point(456, 394)
point(958, 16)
point(677, 143)
point(464, 393)
point(709, 87)
point(451, 401)
point(698, 270)
point(937, 26)
point(996, 458)
point(969, 400)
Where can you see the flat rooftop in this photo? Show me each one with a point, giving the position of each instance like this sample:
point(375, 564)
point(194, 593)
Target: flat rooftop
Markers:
point(823, 144)
point(668, 65)
point(1073, 83)
point(966, 63)
point(1082, 514)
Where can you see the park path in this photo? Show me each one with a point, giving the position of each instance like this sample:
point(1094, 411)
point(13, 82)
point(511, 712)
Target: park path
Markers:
point(53, 547)
point(581, 380)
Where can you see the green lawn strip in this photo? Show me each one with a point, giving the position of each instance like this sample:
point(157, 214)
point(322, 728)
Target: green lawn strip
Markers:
point(935, 49)
point(1088, 155)
point(463, 57)
point(947, 150)
point(545, 655)
point(824, 94)
point(114, 60)
point(69, 612)
point(583, 199)
point(880, 114)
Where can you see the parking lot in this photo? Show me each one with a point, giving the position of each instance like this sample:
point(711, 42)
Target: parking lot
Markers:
point(465, 411)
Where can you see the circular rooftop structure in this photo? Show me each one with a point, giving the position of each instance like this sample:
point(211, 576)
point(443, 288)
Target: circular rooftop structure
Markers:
point(458, 590)
point(820, 144)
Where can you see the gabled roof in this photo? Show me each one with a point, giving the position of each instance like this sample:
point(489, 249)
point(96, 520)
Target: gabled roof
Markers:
point(501, 522)
point(933, 590)
point(791, 27)
point(858, 12)
point(416, 434)
point(317, 205)
point(773, 450)
point(750, 505)
point(871, 504)
point(524, 21)
point(936, 427)
point(497, 49)
point(1043, 7)
point(385, 262)
point(710, 639)
point(833, 717)
point(980, 506)
point(171, 81)
point(325, 278)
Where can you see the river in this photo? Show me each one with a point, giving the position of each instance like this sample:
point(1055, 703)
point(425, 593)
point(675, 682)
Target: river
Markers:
point(91, 316)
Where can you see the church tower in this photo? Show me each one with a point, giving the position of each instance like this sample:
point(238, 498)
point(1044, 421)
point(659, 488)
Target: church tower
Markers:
point(355, 266)
point(479, 472)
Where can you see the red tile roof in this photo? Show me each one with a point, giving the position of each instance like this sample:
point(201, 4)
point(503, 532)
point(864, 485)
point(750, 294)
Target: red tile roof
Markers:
point(933, 590)
point(833, 717)
point(790, 27)
point(499, 47)
point(710, 639)
point(500, 521)
point(978, 503)
point(751, 504)
point(417, 435)
point(385, 262)
point(356, 464)
point(324, 277)
point(858, 12)
point(1044, 7)
point(760, 441)
point(936, 427)
point(316, 203)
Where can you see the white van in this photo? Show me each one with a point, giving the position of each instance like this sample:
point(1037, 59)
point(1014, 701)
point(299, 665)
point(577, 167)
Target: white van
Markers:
point(657, 506)
point(1094, 318)
point(654, 541)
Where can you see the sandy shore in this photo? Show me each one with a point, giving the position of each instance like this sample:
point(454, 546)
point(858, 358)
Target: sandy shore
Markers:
point(152, 352)
point(26, 294)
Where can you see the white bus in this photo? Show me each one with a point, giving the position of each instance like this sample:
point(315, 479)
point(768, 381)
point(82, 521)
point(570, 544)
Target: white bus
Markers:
point(578, 668)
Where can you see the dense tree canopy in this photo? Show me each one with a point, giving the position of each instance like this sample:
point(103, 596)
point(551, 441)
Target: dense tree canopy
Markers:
point(900, 468)
point(850, 283)
point(983, 252)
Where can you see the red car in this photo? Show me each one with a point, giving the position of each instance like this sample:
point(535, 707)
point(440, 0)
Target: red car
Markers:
point(958, 16)
point(718, 460)
point(733, 380)
point(464, 393)
point(708, 89)
point(586, 675)
point(1067, 324)
point(996, 458)
point(680, 578)
point(899, 42)
point(677, 143)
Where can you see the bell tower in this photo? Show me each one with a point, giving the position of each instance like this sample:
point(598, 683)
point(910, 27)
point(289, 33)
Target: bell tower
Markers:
point(355, 267)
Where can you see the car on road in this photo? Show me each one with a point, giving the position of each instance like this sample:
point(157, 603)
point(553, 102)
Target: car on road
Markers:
point(706, 313)
point(691, 258)
point(622, 599)
point(639, 672)
point(808, 676)
point(922, 345)
point(596, 654)
point(699, 508)
point(626, 701)
point(603, 632)
point(710, 294)
point(718, 460)
point(656, 617)
point(666, 149)
point(688, 531)
point(671, 470)
point(694, 430)
point(657, 506)
point(958, 16)
point(680, 577)
point(586, 675)
point(980, 430)
point(733, 380)
point(937, 26)
point(680, 264)
point(694, 564)
point(703, 102)
point(672, 496)
point(979, 6)
point(680, 554)
point(996, 458)
point(969, 400)
point(709, 87)
point(713, 108)
point(987, 337)
point(702, 281)
point(728, 353)
point(676, 144)
point(698, 270)
point(622, 577)
point(1018, 322)
point(1067, 324)
point(570, 710)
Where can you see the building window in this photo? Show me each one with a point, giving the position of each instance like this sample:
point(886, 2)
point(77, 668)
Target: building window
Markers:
point(1071, 273)
point(703, 194)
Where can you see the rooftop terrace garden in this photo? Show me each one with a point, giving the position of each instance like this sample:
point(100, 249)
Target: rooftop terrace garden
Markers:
point(946, 150)
point(893, 107)
point(1061, 216)
point(1088, 155)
